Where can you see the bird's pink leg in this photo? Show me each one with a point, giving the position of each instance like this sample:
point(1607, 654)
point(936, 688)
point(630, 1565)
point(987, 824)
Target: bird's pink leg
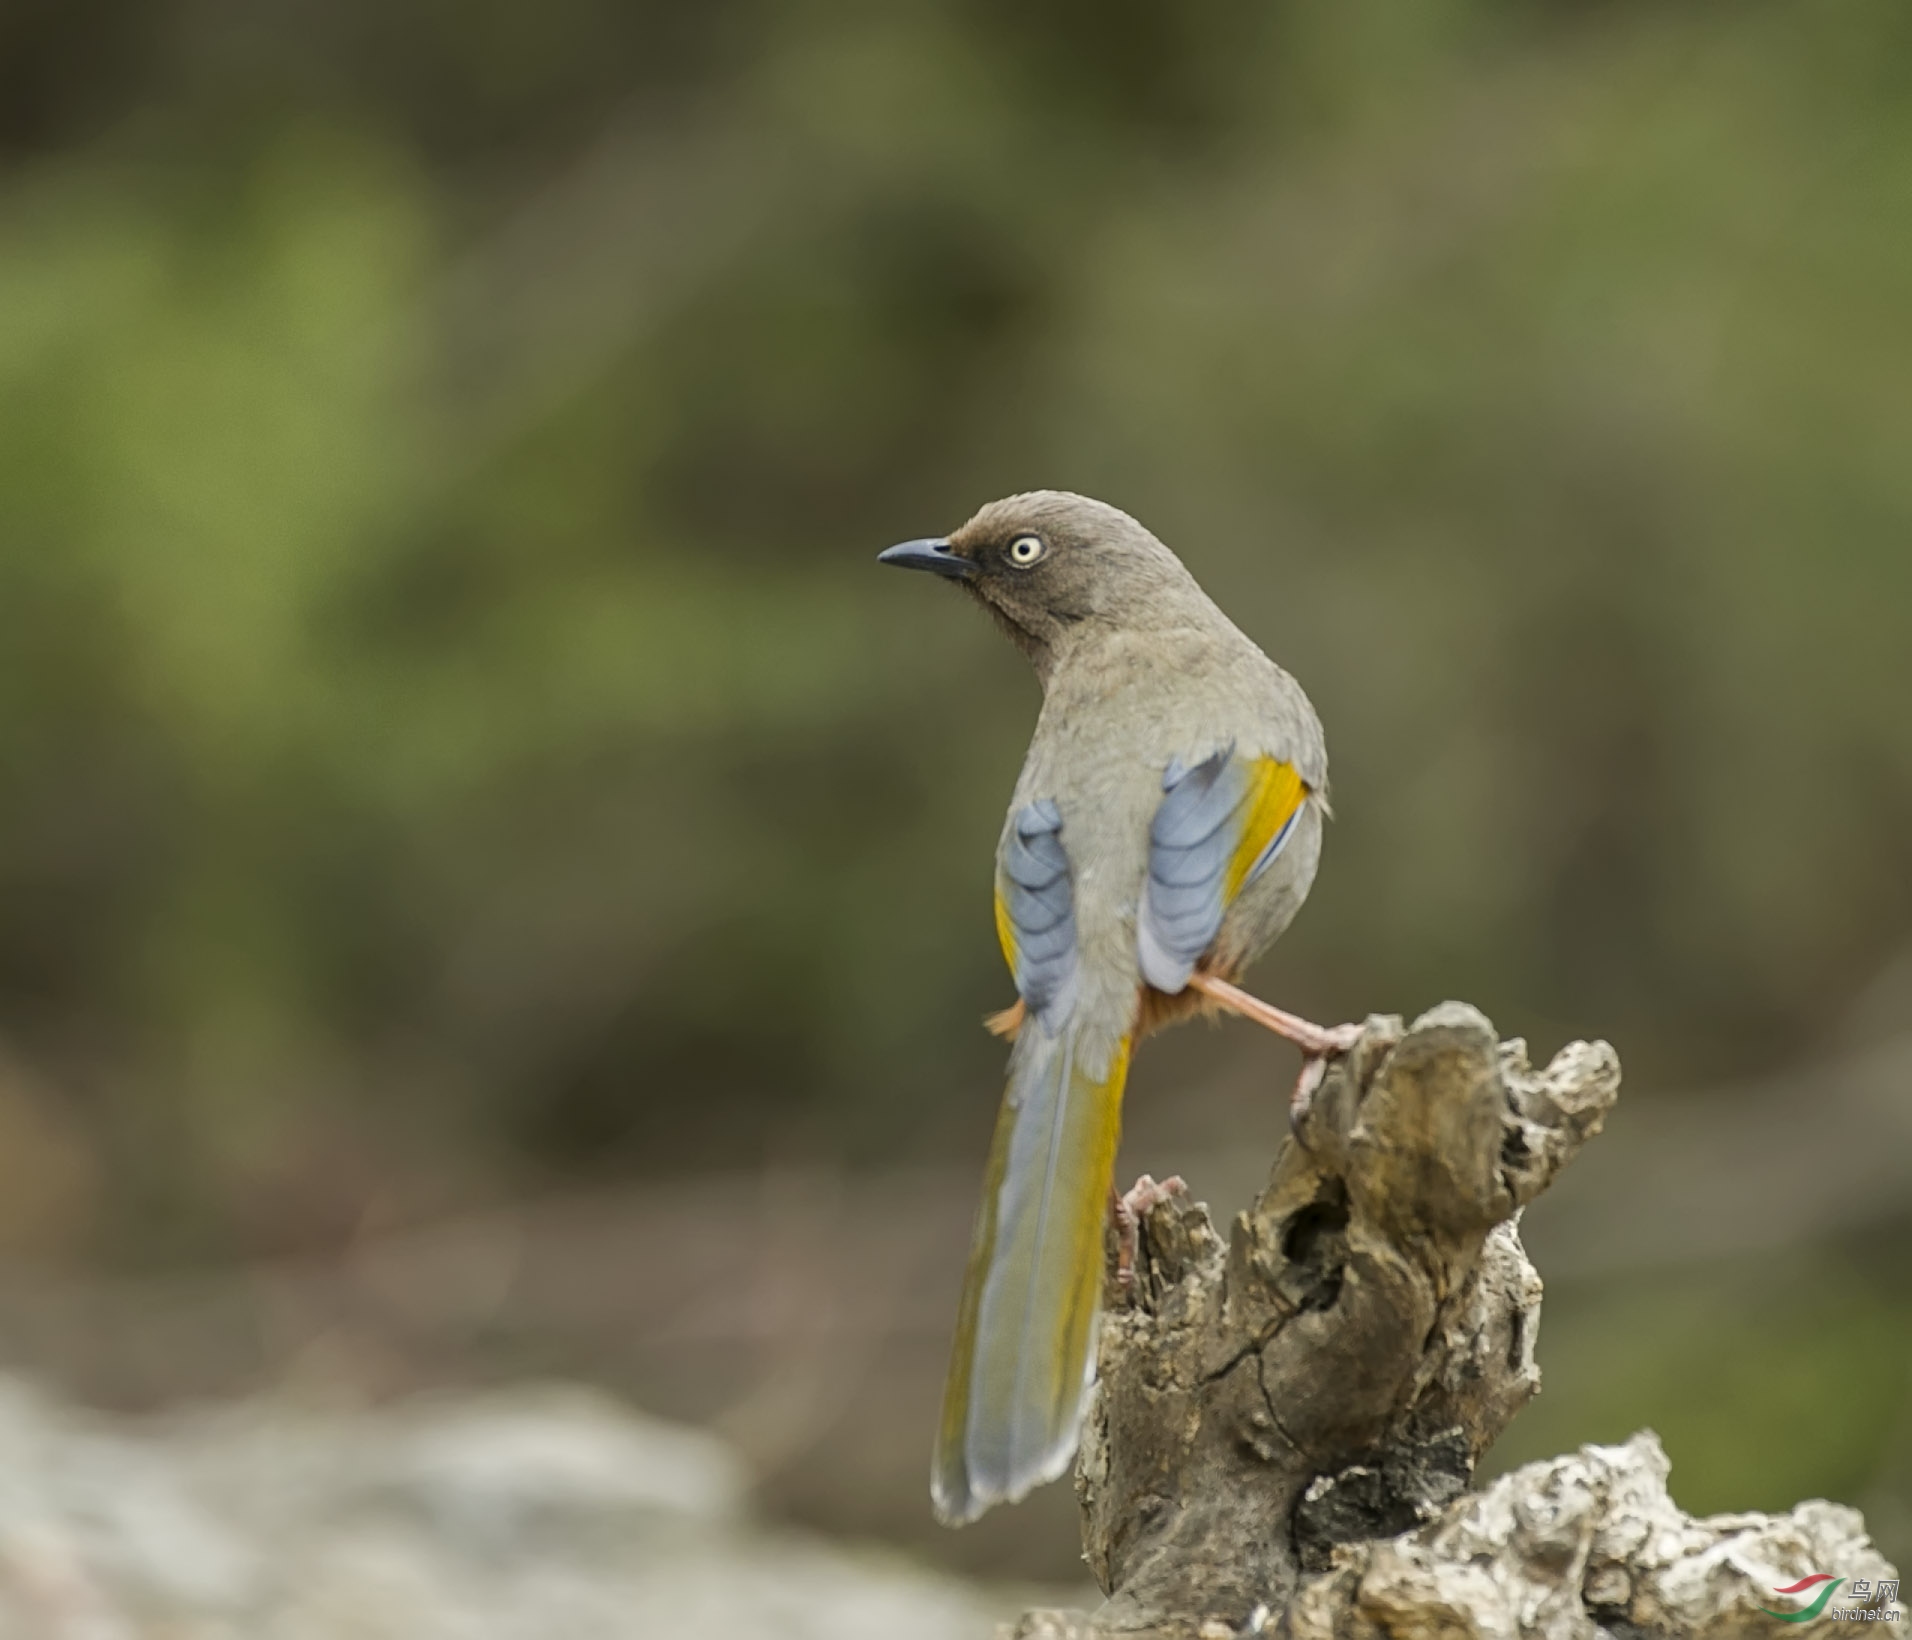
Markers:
point(1318, 1043)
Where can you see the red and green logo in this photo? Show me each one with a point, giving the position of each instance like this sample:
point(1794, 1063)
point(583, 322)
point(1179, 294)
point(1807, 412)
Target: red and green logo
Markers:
point(1819, 1600)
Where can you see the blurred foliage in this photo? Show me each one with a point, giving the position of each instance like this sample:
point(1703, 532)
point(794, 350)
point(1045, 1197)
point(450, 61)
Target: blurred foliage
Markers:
point(452, 734)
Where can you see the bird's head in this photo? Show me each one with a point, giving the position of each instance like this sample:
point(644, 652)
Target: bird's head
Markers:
point(1050, 564)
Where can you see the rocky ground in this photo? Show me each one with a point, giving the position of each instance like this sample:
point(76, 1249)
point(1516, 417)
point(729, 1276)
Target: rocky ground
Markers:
point(534, 1513)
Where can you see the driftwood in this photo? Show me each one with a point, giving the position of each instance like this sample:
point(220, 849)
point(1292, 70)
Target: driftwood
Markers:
point(1285, 1428)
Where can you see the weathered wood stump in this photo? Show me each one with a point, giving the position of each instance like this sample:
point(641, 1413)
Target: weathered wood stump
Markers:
point(1286, 1427)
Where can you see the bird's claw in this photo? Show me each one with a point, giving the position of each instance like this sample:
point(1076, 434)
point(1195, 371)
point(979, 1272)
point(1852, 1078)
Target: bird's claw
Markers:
point(1342, 1038)
point(1313, 1071)
point(1143, 1197)
point(1334, 1040)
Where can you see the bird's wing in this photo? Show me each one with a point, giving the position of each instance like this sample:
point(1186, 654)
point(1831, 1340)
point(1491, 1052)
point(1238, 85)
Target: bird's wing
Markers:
point(1035, 912)
point(1218, 826)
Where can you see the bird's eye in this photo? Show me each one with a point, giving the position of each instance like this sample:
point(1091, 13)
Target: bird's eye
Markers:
point(1025, 550)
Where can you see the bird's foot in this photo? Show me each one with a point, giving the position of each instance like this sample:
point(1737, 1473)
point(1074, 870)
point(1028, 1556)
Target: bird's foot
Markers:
point(1143, 1197)
point(1318, 1043)
point(1007, 1023)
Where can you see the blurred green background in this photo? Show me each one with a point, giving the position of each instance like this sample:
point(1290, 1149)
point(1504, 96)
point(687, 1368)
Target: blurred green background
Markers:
point(455, 750)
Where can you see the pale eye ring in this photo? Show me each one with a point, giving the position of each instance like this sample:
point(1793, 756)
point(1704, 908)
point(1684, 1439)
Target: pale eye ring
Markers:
point(1025, 550)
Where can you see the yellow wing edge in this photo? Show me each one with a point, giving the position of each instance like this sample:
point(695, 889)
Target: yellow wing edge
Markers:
point(1276, 791)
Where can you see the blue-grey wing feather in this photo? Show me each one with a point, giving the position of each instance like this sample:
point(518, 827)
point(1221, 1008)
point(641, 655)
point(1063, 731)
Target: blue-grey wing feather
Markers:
point(1191, 842)
point(1038, 894)
point(1197, 802)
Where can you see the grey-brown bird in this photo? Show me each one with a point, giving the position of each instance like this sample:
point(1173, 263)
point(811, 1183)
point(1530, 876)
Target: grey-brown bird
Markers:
point(1165, 829)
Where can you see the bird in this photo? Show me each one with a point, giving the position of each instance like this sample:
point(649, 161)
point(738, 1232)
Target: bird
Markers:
point(1164, 830)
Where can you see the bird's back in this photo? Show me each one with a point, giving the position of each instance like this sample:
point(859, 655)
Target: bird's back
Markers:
point(1116, 714)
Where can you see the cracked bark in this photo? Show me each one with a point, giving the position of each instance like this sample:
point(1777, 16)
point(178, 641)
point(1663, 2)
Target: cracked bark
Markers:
point(1285, 1428)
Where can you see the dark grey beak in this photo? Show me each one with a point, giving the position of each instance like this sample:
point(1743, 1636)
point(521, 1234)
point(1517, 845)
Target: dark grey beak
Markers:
point(932, 553)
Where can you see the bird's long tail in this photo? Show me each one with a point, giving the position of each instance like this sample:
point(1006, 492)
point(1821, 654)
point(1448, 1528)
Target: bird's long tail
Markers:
point(1025, 1335)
